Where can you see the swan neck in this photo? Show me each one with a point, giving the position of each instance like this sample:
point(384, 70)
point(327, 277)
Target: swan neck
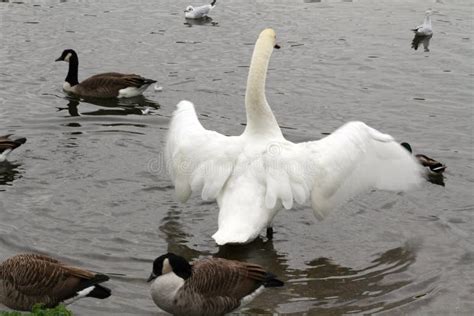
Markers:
point(72, 74)
point(260, 118)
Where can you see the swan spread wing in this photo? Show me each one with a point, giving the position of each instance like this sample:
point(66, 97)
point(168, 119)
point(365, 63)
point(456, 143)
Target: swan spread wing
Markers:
point(353, 159)
point(198, 160)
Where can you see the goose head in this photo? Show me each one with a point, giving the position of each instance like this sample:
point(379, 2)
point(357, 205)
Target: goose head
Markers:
point(170, 263)
point(66, 55)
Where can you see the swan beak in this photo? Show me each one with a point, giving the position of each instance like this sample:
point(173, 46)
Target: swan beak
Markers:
point(276, 46)
point(151, 277)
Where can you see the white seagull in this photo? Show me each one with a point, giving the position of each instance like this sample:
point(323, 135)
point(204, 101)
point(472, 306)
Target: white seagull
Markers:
point(254, 175)
point(423, 33)
point(199, 12)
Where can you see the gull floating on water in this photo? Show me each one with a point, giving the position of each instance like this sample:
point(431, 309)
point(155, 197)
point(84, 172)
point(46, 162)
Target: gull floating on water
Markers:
point(199, 12)
point(423, 33)
point(254, 175)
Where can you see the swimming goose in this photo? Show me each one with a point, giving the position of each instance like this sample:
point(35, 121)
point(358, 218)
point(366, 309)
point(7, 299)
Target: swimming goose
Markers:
point(105, 85)
point(432, 165)
point(423, 33)
point(28, 279)
point(199, 12)
point(254, 175)
point(211, 286)
point(7, 144)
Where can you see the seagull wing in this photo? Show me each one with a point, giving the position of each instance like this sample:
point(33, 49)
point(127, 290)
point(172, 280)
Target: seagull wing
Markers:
point(353, 159)
point(198, 160)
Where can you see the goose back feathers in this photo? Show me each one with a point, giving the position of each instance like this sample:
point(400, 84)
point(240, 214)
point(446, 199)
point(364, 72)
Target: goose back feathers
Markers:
point(28, 279)
point(104, 85)
point(211, 286)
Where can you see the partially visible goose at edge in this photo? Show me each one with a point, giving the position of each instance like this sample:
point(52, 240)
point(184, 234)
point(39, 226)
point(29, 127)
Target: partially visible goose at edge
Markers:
point(211, 286)
point(8, 144)
point(105, 85)
point(423, 33)
point(432, 165)
point(254, 175)
point(28, 279)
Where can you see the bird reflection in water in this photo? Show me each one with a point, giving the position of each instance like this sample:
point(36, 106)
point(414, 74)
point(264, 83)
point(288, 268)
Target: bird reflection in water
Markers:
point(199, 22)
point(9, 172)
point(126, 106)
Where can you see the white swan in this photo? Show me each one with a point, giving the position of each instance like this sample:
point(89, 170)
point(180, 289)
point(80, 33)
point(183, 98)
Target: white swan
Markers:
point(253, 175)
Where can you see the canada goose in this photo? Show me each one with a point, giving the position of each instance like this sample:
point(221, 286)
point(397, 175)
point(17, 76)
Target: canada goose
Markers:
point(28, 279)
point(199, 12)
point(211, 286)
point(254, 175)
point(7, 144)
point(433, 165)
point(105, 85)
point(423, 33)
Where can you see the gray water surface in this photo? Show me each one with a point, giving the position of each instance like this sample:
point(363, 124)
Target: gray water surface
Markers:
point(90, 187)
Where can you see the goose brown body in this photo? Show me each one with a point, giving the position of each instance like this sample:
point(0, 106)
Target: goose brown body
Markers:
point(29, 279)
point(218, 285)
point(214, 287)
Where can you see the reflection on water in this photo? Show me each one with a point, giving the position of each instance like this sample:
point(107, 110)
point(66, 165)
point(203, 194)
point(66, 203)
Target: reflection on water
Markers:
point(197, 22)
point(435, 178)
point(9, 172)
point(330, 286)
point(322, 285)
point(137, 105)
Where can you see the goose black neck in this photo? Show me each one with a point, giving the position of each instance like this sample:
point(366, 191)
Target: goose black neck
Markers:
point(72, 74)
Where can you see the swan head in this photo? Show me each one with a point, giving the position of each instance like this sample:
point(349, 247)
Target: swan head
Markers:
point(269, 35)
